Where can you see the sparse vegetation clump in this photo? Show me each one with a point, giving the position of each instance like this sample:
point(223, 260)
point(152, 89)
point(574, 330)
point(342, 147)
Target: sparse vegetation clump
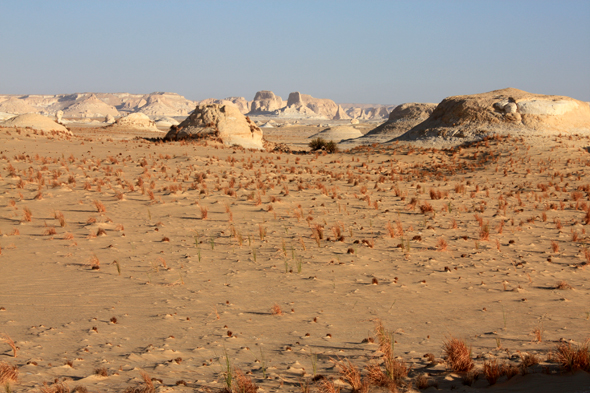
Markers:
point(321, 144)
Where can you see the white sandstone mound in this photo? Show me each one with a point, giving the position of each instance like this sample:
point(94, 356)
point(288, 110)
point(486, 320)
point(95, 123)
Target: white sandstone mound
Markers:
point(36, 122)
point(242, 104)
point(265, 101)
point(138, 121)
point(401, 119)
point(338, 133)
point(89, 107)
point(305, 106)
point(17, 106)
point(224, 122)
point(459, 119)
point(166, 122)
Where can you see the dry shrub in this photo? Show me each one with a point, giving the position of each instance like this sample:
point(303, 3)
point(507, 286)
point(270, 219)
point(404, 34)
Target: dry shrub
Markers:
point(563, 285)
point(555, 247)
point(327, 386)
point(8, 373)
point(426, 208)
point(27, 215)
point(349, 373)
point(60, 217)
point(99, 206)
point(56, 387)
point(94, 263)
point(146, 387)
point(204, 212)
point(49, 231)
point(492, 371)
point(574, 358)
point(458, 355)
point(441, 244)
point(101, 372)
point(276, 310)
point(243, 383)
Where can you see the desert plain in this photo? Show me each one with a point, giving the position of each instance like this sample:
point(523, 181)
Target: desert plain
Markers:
point(132, 264)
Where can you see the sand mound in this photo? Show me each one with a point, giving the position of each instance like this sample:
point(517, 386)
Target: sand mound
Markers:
point(16, 105)
point(463, 118)
point(5, 116)
point(36, 122)
point(401, 119)
point(338, 133)
point(136, 121)
point(91, 106)
point(225, 122)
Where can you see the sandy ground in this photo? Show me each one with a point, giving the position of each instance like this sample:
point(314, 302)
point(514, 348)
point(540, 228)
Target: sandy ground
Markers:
point(176, 294)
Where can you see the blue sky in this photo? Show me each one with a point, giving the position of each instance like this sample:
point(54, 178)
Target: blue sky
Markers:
point(386, 52)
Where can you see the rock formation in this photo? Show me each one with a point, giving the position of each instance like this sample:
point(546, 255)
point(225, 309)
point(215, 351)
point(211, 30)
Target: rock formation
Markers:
point(166, 122)
point(463, 118)
point(17, 106)
point(138, 121)
point(109, 119)
point(305, 106)
point(401, 119)
point(338, 133)
point(58, 116)
point(224, 122)
point(240, 102)
point(36, 122)
point(265, 101)
point(89, 107)
point(341, 114)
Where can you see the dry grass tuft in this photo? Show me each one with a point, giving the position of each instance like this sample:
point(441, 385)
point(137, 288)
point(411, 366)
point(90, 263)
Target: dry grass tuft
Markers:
point(94, 263)
point(572, 358)
point(8, 373)
point(99, 206)
point(243, 383)
point(56, 387)
point(492, 371)
point(204, 212)
point(101, 372)
point(146, 387)
point(458, 355)
point(327, 386)
point(6, 339)
point(276, 310)
point(563, 285)
point(349, 373)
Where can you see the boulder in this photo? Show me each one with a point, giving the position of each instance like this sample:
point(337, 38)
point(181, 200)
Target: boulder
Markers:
point(265, 101)
point(459, 119)
point(401, 119)
point(109, 119)
point(36, 122)
point(224, 122)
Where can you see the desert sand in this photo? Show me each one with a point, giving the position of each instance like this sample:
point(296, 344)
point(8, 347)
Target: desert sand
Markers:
point(123, 255)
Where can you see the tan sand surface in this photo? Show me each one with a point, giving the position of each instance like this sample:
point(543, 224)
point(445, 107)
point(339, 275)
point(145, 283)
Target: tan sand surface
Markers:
point(470, 242)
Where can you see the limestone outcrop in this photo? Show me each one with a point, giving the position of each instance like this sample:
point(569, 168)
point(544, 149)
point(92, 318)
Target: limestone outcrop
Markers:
point(36, 122)
point(223, 122)
point(17, 106)
point(305, 106)
point(138, 121)
point(89, 107)
point(265, 101)
point(470, 117)
point(401, 119)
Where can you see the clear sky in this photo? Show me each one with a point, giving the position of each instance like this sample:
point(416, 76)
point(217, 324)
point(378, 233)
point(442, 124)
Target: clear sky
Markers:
point(369, 51)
